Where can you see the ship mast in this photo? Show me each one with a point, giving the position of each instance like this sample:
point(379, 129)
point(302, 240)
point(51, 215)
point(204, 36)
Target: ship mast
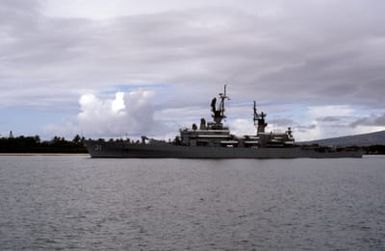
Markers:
point(259, 120)
point(219, 114)
point(255, 118)
point(223, 96)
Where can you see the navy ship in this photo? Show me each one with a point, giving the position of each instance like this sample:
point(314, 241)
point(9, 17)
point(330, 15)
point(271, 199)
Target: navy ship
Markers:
point(213, 140)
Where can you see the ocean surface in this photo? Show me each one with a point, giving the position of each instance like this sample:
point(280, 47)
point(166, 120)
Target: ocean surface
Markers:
point(78, 203)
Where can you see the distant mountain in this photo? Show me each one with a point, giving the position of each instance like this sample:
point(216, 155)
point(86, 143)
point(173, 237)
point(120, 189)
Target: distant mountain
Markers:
point(367, 139)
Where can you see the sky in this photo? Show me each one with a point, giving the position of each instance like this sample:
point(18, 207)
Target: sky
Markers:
point(123, 68)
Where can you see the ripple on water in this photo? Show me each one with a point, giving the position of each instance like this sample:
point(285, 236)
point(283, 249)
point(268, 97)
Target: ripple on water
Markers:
point(77, 203)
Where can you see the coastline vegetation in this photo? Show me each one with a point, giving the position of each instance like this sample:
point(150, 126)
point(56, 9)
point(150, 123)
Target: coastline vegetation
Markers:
point(33, 144)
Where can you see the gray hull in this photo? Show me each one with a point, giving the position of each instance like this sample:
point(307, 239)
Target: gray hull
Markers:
point(98, 149)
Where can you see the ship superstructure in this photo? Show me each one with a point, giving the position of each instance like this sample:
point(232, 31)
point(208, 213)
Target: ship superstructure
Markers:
point(215, 134)
point(211, 134)
point(214, 140)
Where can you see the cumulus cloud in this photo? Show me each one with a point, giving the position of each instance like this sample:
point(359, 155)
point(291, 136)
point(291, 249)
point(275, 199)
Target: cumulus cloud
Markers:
point(242, 127)
point(129, 113)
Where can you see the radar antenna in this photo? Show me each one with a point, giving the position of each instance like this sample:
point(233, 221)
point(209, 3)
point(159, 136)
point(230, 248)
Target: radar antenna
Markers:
point(219, 114)
point(223, 97)
point(260, 118)
point(256, 117)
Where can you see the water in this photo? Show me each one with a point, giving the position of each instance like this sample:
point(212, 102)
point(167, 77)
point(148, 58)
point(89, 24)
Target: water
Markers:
point(78, 203)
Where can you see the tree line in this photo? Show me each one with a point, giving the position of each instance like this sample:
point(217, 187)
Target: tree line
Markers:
point(33, 144)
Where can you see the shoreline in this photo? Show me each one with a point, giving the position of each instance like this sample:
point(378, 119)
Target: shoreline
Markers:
point(43, 154)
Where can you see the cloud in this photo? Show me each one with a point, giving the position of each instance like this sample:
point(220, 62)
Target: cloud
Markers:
point(242, 127)
point(129, 113)
point(329, 119)
point(282, 122)
point(375, 120)
point(330, 110)
point(319, 53)
point(294, 48)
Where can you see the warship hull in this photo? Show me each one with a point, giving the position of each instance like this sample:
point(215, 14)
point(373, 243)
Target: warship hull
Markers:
point(98, 149)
